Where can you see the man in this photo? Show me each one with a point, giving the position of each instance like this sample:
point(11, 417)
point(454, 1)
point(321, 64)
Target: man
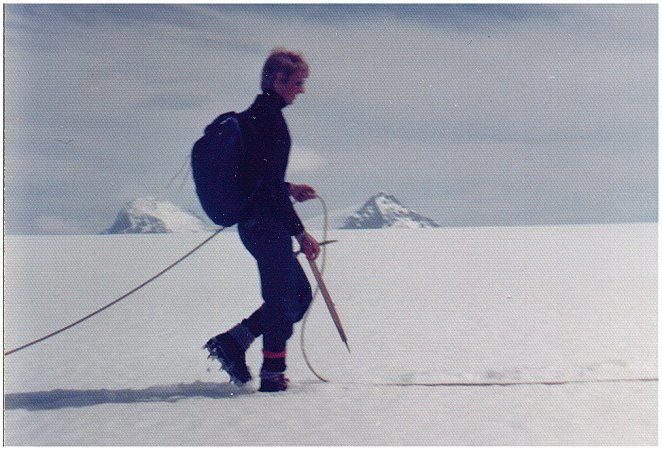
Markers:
point(267, 228)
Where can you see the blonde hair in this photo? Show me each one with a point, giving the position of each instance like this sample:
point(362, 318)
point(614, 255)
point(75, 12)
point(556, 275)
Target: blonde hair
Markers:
point(282, 61)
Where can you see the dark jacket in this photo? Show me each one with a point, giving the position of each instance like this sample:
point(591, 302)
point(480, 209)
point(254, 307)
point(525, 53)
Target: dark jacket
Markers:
point(264, 163)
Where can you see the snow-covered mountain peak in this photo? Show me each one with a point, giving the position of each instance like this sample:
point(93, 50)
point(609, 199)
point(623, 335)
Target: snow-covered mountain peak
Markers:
point(386, 211)
point(147, 215)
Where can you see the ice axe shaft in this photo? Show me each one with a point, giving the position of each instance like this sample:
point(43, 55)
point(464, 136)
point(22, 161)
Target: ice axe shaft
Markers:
point(329, 302)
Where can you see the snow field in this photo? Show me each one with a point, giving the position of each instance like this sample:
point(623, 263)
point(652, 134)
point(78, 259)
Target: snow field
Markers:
point(443, 305)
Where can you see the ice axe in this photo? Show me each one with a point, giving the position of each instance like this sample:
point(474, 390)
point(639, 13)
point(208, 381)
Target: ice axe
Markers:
point(321, 244)
point(329, 302)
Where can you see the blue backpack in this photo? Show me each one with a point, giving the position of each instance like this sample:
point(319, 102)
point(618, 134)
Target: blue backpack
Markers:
point(215, 163)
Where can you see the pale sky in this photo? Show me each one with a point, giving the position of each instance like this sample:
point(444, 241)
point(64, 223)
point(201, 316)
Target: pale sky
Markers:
point(470, 114)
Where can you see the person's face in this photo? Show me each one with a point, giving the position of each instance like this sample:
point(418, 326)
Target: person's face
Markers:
point(291, 88)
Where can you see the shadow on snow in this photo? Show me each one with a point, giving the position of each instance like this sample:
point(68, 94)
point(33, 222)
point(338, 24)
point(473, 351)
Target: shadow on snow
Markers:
point(71, 398)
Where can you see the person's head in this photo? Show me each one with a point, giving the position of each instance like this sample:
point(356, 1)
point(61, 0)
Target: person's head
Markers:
point(284, 72)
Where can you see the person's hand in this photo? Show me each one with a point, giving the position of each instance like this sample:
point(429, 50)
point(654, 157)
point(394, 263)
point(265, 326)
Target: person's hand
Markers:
point(302, 192)
point(309, 246)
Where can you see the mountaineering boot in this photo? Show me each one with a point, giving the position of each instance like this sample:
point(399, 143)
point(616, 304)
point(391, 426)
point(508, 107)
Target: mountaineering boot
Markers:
point(231, 355)
point(273, 381)
point(272, 374)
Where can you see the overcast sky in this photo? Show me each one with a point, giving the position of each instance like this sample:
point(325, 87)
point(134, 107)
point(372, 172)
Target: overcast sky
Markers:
point(470, 115)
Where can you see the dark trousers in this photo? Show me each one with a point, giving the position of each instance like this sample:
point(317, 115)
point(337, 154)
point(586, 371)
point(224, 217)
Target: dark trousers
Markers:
point(285, 288)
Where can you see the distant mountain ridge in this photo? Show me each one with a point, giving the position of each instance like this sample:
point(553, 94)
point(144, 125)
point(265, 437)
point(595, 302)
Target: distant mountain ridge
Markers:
point(146, 215)
point(386, 211)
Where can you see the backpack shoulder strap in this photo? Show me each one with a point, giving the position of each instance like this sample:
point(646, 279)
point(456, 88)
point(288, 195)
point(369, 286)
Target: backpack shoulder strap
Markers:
point(219, 120)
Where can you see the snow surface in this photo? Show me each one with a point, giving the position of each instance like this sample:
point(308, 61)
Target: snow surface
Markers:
point(439, 305)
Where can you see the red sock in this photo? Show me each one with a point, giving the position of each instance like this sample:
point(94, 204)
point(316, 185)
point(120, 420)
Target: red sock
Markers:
point(274, 361)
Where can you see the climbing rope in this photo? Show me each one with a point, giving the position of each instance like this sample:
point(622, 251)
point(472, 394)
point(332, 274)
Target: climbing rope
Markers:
point(450, 383)
point(325, 231)
point(132, 291)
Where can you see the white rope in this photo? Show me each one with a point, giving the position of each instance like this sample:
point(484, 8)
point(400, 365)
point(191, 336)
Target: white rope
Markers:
point(456, 383)
point(501, 383)
point(325, 231)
